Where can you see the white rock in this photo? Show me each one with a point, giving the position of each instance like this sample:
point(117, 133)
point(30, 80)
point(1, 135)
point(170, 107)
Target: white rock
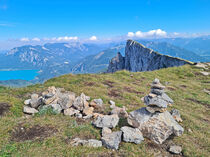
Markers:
point(29, 110)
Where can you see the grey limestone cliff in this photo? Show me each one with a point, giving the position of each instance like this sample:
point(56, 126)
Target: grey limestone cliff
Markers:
point(139, 58)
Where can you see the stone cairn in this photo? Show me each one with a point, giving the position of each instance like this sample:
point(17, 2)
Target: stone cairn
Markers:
point(157, 100)
point(153, 121)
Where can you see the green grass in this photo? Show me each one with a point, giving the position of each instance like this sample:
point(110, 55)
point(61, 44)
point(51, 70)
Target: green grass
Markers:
point(185, 87)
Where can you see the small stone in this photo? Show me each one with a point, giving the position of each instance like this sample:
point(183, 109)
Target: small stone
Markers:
point(157, 91)
point(34, 96)
point(87, 98)
point(109, 121)
point(175, 149)
point(156, 81)
point(205, 73)
point(27, 102)
point(88, 111)
point(78, 141)
point(207, 91)
point(51, 90)
point(112, 104)
point(106, 131)
point(121, 112)
point(151, 95)
point(79, 102)
point(153, 109)
point(87, 117)
point(132, 135)
point(157, 86)
point(79, 115)
point(66, 99)
point(29, 110)
point(56, 108)
point(50, 100)
point(112, 140)
point(95, 115)
point(93, 143)
point(97, 103)
point(71, 112)
point(176, 115)
point(189, 130)
point(156, 101)
point(35, 101)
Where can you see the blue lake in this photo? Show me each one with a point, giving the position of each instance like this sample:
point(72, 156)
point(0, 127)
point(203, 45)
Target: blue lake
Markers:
point(18, 74)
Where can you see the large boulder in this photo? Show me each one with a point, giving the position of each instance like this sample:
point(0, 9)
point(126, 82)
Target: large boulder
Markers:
point(112, 140)
point(157, 127)
point(109, 121)
point(132, 135)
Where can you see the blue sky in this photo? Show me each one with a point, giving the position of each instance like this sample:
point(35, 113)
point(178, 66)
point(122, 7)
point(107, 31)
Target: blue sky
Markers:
point(38, 19)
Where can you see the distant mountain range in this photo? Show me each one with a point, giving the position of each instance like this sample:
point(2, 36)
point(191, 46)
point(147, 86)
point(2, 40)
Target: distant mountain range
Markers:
point(55, 59)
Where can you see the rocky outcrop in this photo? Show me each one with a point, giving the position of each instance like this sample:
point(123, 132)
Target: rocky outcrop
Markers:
point(139, 58)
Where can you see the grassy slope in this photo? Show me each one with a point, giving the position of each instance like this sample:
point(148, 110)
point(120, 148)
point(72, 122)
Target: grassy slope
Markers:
point(184, 83)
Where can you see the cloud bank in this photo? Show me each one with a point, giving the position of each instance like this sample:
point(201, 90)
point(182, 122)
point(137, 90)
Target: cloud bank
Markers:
point(156, 33)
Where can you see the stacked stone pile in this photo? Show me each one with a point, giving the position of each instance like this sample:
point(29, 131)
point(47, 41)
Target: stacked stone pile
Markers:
point(154, 121)
point(157, 100)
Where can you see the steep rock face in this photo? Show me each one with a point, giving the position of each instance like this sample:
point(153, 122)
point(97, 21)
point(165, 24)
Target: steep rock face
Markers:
point(117, 63)
point(139, 58)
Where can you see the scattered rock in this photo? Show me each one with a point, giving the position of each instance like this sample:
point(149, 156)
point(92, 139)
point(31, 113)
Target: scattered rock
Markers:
point(29, 110)
point(175, 149)
point(88, 111)
point(157, 127)
point(27, 102)
point(80, 102)
point(56, 108)
point(77, 142)
point(207, 91)
point(109, 121)
point(205, 73)
point(71, 112)
point(106, 131)
point(201, 65)
point(35, 101)
point(121, 112)
point(176, 115)
point(93, 143)
point(112, 104)
point(112, 140)
point(97, 103)
point(66, 100)
point(132, 135)
point(79, 115)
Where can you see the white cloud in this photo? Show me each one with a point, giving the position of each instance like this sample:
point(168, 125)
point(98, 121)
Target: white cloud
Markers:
point(24, 39)
point(93, 38)
point(66, 38)
point(36, 39)
point(139, 34)
point(131, 34)
point(149, 34)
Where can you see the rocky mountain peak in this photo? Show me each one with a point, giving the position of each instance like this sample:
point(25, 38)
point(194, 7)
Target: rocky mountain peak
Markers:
point(139, 58)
